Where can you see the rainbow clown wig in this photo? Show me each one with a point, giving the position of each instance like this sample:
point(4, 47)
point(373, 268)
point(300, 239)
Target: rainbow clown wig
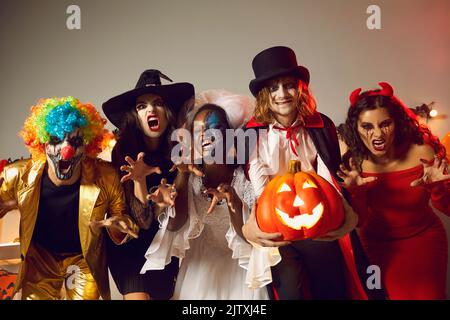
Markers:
point(60, 116)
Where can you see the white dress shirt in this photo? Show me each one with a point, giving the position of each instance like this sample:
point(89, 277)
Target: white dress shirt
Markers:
point(274, 150)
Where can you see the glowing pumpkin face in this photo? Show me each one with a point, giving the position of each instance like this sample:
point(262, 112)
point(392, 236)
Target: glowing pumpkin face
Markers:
point(300, 205)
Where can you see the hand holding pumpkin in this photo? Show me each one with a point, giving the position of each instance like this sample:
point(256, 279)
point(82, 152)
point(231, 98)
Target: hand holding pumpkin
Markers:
point(352, 178)
point(300, 205)
point(253, 234)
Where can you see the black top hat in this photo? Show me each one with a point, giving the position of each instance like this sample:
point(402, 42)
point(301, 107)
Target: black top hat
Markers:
point(275, 62)
point(175, 95)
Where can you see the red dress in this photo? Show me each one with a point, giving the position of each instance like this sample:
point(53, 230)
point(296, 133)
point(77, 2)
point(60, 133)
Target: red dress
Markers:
point(402, 235)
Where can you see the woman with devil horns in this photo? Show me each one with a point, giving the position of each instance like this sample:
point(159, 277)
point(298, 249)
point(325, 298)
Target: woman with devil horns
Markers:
point(395, 165)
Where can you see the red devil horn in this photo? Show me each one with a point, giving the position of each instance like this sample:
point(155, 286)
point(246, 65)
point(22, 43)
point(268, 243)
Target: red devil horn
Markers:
point(386, 89)
point(354, 97)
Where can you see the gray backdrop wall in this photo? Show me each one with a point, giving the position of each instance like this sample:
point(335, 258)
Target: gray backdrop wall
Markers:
point(211, 43)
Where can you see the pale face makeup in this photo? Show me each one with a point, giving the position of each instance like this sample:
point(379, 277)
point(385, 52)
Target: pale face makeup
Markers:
point(284, 92)
point(152, 115)
point(64, 156)
point(376, 129)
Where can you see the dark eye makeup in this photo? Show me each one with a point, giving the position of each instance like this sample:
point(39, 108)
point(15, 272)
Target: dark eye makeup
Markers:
point(367, 126)
point(54, 140)
point(290, 85)
point(76, 141)
point(385, 123)
point(140, 106)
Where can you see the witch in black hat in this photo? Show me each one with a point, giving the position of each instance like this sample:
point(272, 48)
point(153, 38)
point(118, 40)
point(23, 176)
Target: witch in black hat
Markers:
point(145, 117)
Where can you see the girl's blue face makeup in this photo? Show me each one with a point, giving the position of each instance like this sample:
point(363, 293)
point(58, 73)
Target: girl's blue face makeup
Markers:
point(213, 121)
point(209, 130)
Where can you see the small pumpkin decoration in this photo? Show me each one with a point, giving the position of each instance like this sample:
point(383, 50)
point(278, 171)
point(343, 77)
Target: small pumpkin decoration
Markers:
point(300, 205)
point(7, 281)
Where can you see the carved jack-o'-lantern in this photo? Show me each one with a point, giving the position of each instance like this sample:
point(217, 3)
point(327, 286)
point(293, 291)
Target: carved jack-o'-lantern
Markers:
point(300, 205)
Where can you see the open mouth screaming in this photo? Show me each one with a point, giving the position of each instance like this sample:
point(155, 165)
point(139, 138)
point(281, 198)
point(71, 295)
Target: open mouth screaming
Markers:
point(153, 122)
point(379, 144)
point(64, 168)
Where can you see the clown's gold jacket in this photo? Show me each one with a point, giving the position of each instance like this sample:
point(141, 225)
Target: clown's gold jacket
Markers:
point(100, 193)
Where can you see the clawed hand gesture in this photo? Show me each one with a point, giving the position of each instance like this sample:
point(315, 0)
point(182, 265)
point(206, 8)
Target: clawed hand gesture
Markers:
point(435, 172)
point(137, 170)
point(352, 177)
point(115, 223)
point(187, 168)
point(222, 192)
point(163, 195)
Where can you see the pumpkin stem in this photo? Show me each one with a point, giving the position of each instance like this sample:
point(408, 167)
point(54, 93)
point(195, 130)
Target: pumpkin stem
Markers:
point(294, 166)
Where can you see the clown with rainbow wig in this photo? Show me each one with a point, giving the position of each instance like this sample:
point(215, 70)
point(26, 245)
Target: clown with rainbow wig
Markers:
point(65, 196)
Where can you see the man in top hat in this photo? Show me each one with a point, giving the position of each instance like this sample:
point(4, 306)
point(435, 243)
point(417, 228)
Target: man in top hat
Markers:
point(294, 130)
point(63, 194)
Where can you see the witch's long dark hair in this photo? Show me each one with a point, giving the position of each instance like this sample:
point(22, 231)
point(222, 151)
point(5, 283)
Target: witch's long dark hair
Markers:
point(130, 142)
point(408, 130)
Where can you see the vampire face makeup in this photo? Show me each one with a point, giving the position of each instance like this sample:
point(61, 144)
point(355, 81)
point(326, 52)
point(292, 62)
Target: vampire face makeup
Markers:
point(284, 93)
point(64, 156)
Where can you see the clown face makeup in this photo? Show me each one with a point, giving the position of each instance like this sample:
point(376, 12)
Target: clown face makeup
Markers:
point(376, 130)
point(209, 133)
point(151, 111)
point(284, 94)
point(64, 156)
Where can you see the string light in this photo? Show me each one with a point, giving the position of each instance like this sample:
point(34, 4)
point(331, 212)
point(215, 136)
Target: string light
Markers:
point(433, 113)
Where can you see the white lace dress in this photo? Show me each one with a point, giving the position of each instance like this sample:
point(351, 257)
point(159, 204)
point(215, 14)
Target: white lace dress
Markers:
point(216, 262)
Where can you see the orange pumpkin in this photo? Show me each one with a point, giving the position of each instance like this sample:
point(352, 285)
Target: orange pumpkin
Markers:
point(300, 205)
point(7, 281)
